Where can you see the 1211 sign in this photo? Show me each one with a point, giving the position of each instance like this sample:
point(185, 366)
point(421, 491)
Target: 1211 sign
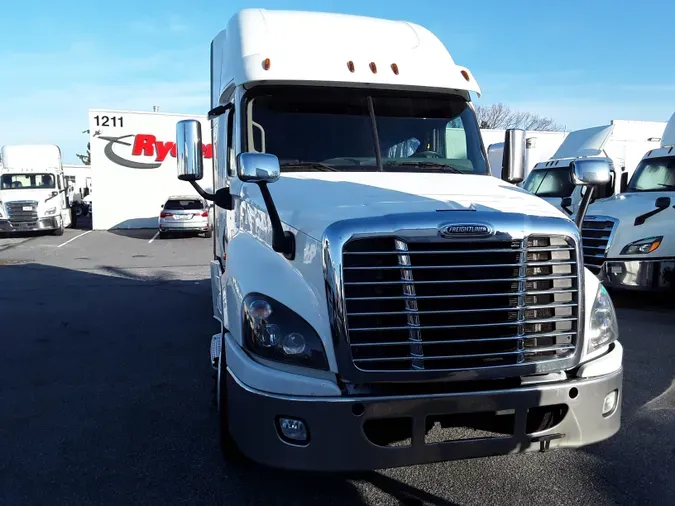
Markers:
point(113, 121)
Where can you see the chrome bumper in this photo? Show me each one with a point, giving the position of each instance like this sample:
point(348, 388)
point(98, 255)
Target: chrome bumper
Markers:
point(646, 275)
point(29, 226)
point(339, 441)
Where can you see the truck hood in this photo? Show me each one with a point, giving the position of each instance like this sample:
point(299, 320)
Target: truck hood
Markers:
point(628, 206)
point(310, 202)
point(39, 194)
point(625, 207)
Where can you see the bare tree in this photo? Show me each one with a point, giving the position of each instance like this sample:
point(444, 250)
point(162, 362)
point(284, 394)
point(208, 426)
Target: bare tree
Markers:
point(85, 158)
point(502, 116)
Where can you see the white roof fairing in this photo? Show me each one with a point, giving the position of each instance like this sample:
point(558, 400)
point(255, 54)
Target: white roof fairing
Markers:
point(668, 138)
point(314, 47)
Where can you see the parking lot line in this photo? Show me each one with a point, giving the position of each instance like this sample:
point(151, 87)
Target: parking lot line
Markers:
point(76, 237)
point(153, 237)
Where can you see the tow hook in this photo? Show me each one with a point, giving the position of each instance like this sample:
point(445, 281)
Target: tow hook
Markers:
point(545, 441)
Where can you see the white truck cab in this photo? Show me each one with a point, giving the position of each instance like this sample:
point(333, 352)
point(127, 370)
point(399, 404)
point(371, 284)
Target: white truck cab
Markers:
point(629, 239)
point(623, 142)
point(374, 285)
point(34, 195)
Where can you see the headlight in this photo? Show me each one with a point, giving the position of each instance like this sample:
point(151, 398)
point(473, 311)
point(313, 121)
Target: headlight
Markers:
point(273, 331)
point(642, 246)
point(50, 211)
point(603, 328)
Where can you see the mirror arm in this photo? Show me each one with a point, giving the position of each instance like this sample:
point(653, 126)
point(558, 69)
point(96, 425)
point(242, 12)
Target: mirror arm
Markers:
point(644, 217)
point(583, 206)
point(204, 194)
point(566, 209)
point(282, 241)
point(222, 198)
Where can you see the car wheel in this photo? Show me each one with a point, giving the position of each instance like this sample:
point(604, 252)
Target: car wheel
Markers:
point(208, 234)
point(163, 235)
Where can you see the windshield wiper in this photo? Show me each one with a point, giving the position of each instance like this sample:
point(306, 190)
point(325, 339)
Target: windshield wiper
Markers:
point(431, 165)
point(321, 167)
point(671, 186)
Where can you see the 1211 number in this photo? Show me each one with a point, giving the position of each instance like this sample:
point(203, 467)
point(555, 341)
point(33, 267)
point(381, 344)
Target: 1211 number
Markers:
point(109, 121)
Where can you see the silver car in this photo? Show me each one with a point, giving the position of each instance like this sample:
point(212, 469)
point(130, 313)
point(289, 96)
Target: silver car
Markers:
point(184, 214)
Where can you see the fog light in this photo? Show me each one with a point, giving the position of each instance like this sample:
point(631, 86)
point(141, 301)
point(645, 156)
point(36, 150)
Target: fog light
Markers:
point(293, 430)
point(610, 402)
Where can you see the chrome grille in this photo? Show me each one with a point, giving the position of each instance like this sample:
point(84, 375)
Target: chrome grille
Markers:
point(445, 306)
point(595, 235)
point(17, 214)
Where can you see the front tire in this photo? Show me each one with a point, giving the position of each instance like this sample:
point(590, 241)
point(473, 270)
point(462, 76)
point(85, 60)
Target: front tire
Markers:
point(227, 445)
point(59, 231)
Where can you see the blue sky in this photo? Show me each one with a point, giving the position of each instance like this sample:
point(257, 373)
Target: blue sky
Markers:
point(581, 62)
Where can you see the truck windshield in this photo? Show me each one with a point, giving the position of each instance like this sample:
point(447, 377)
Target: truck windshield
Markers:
point(653, 175)
point(334, 130)
point(27, 181)
point(553, 182)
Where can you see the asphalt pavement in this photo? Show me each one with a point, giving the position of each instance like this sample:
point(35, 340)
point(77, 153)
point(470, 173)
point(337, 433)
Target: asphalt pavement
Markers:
point(106, 397)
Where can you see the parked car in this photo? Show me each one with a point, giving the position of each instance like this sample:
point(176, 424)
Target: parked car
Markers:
point(184, 214)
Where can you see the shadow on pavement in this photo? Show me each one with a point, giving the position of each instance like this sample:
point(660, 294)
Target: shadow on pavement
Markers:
point(106, 394)
point(640, 459)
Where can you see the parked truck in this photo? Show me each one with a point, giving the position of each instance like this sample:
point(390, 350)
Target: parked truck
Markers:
point(383, 301)
point(34, 195)
point(629, 239)
point(624, 142)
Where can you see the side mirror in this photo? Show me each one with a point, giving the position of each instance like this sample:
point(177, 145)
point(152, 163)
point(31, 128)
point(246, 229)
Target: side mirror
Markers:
point(662, 203)
point(258, 167)
point(189, 150)
point(513, 166)
point(591, 171)
point(566, 203)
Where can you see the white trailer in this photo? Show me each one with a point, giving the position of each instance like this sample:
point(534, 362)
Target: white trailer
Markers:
point(34, 195)
point(629, 239)
point(133, 160)
point(623, 142)
point(372, 280)
point(539, 146)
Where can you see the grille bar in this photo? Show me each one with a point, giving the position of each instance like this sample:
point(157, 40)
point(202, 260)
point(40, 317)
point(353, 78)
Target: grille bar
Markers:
point(464, 341)
point(463, 311)
point(445, 252)
point(596, 234)
point(462, 296)
point(475, 355)
point(442, 282)
point(459, 305)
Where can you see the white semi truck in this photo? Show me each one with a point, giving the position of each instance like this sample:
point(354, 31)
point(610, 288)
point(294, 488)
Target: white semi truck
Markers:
point(629, 239)
point(383, 301)
point(34, 195)
point(624, 142)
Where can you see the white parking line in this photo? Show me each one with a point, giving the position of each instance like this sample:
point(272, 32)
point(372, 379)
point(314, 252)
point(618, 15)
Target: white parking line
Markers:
point(153, 238)
point(76, 237)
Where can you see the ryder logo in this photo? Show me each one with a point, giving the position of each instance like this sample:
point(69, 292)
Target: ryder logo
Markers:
point(143, 147)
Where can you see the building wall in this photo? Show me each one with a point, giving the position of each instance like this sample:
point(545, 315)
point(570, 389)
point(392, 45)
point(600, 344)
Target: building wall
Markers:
point(133, 161)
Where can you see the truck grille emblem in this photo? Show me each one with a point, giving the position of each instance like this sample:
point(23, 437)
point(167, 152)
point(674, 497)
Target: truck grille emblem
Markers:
point(464, 230)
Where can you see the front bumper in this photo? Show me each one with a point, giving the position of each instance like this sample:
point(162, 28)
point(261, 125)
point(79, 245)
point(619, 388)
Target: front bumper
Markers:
point(29, 226)
point(338, 440)
point(646, 275)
